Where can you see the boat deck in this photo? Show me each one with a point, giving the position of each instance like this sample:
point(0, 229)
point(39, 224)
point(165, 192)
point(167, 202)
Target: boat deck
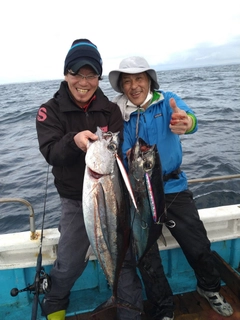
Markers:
point(191, 306)
point(188, 306)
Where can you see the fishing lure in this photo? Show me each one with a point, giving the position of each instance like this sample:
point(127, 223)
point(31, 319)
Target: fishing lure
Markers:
point(151, 197)
point(126, 180)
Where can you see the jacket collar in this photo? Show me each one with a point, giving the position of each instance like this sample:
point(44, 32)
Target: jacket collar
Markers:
point(127, 109)
point(66, 102)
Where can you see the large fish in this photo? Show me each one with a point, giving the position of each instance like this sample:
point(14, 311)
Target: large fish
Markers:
point(106, 210)
point(145, 175)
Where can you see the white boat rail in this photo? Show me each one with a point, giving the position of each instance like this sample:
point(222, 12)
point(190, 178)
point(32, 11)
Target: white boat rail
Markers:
point(34, 235)
point(222, 223)
point(228, 177)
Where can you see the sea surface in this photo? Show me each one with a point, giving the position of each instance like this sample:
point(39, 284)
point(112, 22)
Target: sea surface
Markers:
point(213, 151)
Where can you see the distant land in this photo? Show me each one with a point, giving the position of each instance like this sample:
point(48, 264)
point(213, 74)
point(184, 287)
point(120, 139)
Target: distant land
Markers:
point(170, 67)
point(204, 55)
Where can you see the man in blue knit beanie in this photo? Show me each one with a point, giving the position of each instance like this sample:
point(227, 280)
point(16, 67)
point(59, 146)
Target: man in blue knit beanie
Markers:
point(64, 125)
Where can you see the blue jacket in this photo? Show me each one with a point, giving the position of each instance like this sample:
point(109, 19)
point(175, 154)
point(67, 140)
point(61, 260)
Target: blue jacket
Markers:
point(154, 129)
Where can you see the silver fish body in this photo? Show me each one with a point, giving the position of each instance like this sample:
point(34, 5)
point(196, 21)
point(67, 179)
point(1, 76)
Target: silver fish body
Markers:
point(105, 209)
point(145, 175)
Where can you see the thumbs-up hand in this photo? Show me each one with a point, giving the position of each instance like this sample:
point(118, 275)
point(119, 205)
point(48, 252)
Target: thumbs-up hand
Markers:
point(180, 121)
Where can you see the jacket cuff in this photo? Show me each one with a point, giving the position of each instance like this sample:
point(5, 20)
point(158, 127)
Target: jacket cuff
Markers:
point(194, 123)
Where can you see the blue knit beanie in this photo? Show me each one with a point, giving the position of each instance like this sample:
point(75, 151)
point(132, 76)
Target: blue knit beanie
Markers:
point(83, 52)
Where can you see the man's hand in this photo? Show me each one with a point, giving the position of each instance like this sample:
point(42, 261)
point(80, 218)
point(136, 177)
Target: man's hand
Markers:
point(180, 121)
point(81, 139)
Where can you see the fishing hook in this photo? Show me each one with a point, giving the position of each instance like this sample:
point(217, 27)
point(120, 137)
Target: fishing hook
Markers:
point(144, 226)
point(170, 224)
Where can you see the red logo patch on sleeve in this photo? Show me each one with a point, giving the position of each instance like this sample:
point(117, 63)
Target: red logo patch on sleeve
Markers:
point(42, 114)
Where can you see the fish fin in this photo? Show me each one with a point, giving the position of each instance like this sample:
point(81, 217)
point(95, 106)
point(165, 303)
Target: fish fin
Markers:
point(163, 239)
point(99, 133)
point(89, 253)
point(101, 204)
point(110, 303)
point(126, 305)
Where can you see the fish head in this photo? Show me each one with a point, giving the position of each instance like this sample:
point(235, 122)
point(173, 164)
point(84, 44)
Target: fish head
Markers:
point(101, 154)
point(142, 159)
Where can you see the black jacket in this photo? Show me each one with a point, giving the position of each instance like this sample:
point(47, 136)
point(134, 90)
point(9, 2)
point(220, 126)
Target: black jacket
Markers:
point(58, 121)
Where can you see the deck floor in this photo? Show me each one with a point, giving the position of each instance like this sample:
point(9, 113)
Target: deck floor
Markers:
point(188, 306)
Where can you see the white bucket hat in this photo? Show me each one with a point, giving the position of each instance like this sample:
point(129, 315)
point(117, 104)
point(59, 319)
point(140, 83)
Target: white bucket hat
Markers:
point(132, 65)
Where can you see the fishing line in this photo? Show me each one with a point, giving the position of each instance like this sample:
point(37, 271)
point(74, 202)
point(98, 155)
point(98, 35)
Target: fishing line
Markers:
point(42, 280)
point(137, 124)
point(44, 207)
point(171, 223)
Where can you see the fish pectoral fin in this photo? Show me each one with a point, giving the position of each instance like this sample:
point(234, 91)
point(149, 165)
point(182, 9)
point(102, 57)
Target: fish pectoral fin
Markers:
point(163, 239)
point(102, 209)
point(89, 253)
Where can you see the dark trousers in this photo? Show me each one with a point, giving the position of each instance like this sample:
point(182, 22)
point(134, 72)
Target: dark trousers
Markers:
point(130, 288)
point(191, 235)
point(70, 263)
point(157, 288)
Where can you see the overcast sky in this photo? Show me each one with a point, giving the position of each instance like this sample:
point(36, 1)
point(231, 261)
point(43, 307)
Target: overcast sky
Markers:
point(36, 35)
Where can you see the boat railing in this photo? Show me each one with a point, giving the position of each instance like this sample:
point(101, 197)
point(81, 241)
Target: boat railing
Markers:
point(33, 235)
point(31, 216)
point(16, 251)
point(210, 179)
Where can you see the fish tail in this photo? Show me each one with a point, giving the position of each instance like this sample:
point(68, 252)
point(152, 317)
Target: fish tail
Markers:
point(127, 305)
point(113, 302)
point(110, 303)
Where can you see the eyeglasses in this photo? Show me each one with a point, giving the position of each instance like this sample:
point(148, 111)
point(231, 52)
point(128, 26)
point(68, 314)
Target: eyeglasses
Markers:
point(80, 76)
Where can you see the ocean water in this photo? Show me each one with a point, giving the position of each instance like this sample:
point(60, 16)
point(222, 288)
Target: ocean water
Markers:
point(214, 150)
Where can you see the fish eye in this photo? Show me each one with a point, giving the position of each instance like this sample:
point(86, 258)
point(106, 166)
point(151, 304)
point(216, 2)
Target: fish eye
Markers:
point(147, 165)
point(112, 146)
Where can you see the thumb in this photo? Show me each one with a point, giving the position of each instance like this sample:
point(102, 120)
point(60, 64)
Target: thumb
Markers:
point(173, 105)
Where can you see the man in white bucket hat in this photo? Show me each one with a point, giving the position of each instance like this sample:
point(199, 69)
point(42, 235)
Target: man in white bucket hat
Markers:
point(159, 118)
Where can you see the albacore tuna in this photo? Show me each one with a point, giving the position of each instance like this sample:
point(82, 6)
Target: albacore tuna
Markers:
point(145, 175)
point(106, 209)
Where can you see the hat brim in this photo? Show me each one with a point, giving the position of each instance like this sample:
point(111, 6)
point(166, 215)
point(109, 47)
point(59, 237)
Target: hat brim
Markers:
point(75, 68)
point(114, 76)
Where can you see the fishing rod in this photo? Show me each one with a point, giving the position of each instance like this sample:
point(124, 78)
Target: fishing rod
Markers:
point(42, 281)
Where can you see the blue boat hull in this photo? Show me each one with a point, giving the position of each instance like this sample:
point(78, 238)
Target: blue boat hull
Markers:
point(91, 289)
